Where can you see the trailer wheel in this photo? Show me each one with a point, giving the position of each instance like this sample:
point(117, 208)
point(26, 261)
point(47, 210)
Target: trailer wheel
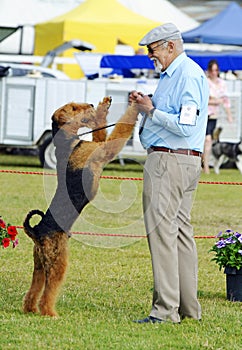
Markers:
point(47, 154)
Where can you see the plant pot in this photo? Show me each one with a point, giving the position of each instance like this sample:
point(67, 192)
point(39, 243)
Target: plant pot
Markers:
point(233, 283)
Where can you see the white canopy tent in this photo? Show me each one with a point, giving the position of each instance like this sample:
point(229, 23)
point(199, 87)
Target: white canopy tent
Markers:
point(161, 11)
point(27, 13)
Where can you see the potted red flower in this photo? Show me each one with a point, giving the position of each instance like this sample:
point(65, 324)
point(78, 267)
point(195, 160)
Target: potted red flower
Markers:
point(8, 234)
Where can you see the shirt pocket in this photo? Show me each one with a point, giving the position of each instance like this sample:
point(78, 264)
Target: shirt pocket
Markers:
point(165, 103)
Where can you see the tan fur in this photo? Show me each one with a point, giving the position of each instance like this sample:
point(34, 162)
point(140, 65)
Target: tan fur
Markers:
point(50, 264)
point(51, 250)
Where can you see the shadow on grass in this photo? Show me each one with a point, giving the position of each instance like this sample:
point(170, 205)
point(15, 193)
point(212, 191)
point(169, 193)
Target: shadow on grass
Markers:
point(211, 295)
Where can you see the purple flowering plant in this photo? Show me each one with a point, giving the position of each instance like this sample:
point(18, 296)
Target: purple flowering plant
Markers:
point(228, 250)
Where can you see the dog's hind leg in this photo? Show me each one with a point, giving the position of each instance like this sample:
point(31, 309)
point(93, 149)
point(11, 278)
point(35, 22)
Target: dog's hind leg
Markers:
point(218, 163)
point(55, 255)
point(38, 280)
point(239, 162)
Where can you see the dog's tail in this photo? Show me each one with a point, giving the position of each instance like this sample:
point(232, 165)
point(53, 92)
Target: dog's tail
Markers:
point(29, 230)
point(216, 134)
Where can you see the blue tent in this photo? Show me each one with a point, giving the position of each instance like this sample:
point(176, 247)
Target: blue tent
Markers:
point(128, 62)
point(225, 28)
point(227, 60)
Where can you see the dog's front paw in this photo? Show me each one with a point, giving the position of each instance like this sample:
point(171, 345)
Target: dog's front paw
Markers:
point(107, 101)
point(102, 111)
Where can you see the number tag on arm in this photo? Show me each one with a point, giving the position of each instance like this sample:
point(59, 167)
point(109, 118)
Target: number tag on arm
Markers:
point(188, 115)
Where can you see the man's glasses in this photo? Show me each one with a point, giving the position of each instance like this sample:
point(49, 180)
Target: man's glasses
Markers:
point(151, 49)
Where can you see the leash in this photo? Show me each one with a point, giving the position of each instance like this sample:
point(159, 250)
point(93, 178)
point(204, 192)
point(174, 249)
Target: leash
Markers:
point(144, 119)
point(91, 131)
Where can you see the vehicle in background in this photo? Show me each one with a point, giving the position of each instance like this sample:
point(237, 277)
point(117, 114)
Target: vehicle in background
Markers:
point(10, 69)
point(27, 104)
point(29, 94)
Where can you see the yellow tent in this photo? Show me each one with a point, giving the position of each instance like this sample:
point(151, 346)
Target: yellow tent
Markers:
point(101, 23)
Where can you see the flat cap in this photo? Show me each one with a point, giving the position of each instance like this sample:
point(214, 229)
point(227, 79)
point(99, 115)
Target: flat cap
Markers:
point(163, 32)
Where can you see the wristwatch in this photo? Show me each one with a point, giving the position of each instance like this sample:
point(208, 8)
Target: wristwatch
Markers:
point(151, 112)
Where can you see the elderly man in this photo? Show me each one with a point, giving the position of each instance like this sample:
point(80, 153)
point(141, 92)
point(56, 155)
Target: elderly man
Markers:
point(173, 132)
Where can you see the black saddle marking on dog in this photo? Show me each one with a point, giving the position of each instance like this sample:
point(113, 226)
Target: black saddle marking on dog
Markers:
point(230, 150)
point(71, 196)
point(73, 192)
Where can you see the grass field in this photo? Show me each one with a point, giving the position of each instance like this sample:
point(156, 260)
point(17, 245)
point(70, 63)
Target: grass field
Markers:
point(109, 280)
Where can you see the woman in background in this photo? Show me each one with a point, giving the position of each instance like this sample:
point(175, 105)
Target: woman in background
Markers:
point(217, 97)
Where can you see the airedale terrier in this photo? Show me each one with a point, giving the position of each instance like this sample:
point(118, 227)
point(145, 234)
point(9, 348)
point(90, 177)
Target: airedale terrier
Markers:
point(79, 167)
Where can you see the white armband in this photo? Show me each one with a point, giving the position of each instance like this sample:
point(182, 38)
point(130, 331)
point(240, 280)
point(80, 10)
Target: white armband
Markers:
point(188, 115)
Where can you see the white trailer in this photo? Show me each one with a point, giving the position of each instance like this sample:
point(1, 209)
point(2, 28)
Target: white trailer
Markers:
point(27, 104)
point(26, 107)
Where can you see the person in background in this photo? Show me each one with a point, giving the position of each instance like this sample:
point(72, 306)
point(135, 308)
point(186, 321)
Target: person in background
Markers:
point(217, 97)
point(173, 132)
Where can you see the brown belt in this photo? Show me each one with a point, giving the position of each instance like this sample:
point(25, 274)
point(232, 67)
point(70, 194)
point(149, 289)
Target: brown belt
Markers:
point(188, 152)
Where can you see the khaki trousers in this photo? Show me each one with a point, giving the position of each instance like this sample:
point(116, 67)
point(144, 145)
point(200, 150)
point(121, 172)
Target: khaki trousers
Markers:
point(169, 183)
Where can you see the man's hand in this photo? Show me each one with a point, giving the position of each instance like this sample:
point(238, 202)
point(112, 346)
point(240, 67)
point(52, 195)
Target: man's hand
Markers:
point(144, 102)
point(133, 96)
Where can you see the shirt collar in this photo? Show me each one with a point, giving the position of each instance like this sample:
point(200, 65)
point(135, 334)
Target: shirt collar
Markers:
point(173, 66)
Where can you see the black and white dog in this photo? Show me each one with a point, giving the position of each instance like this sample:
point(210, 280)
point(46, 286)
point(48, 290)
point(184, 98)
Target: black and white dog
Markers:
point(223, 151)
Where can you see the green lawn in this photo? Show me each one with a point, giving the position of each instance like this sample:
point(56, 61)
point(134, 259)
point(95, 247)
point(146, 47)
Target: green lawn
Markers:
point(109, 281)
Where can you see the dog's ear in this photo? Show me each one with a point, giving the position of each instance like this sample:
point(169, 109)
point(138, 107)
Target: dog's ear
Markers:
point(61, 116)
point(67, 112)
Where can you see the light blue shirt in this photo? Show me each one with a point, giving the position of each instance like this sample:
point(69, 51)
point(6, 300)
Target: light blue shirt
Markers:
point(183, 83)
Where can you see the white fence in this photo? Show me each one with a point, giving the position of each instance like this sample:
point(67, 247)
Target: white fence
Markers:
point(232, 132)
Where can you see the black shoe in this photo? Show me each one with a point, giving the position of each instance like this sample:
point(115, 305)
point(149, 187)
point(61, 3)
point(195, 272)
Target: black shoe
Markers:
point(149, 319)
